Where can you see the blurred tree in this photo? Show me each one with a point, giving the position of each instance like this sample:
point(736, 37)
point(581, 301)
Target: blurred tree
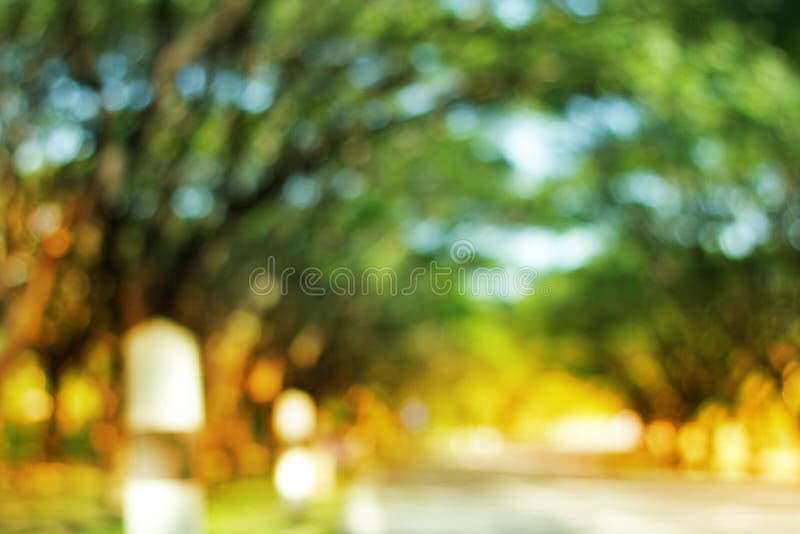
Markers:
point(156, 152)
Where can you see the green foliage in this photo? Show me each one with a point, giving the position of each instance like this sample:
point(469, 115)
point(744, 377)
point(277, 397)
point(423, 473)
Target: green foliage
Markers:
point(199, 138)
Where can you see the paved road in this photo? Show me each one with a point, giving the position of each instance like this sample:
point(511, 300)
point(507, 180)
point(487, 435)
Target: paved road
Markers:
point(460, 502)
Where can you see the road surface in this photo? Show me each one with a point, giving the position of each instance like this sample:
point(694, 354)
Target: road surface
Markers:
point(457, 501)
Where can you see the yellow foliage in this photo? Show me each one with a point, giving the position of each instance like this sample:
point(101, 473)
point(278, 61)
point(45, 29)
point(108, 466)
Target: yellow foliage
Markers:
point(25, 399)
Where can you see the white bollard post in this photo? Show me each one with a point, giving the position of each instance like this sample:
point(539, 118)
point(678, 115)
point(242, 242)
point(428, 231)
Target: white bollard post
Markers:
point(297, 472)
point(164, 408)
point(294, 417)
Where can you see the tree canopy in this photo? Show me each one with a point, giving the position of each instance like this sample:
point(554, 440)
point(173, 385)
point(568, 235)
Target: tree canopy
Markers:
point(641, 156)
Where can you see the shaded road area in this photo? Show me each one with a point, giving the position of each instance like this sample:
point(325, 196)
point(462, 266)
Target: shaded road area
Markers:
point(464, 502)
